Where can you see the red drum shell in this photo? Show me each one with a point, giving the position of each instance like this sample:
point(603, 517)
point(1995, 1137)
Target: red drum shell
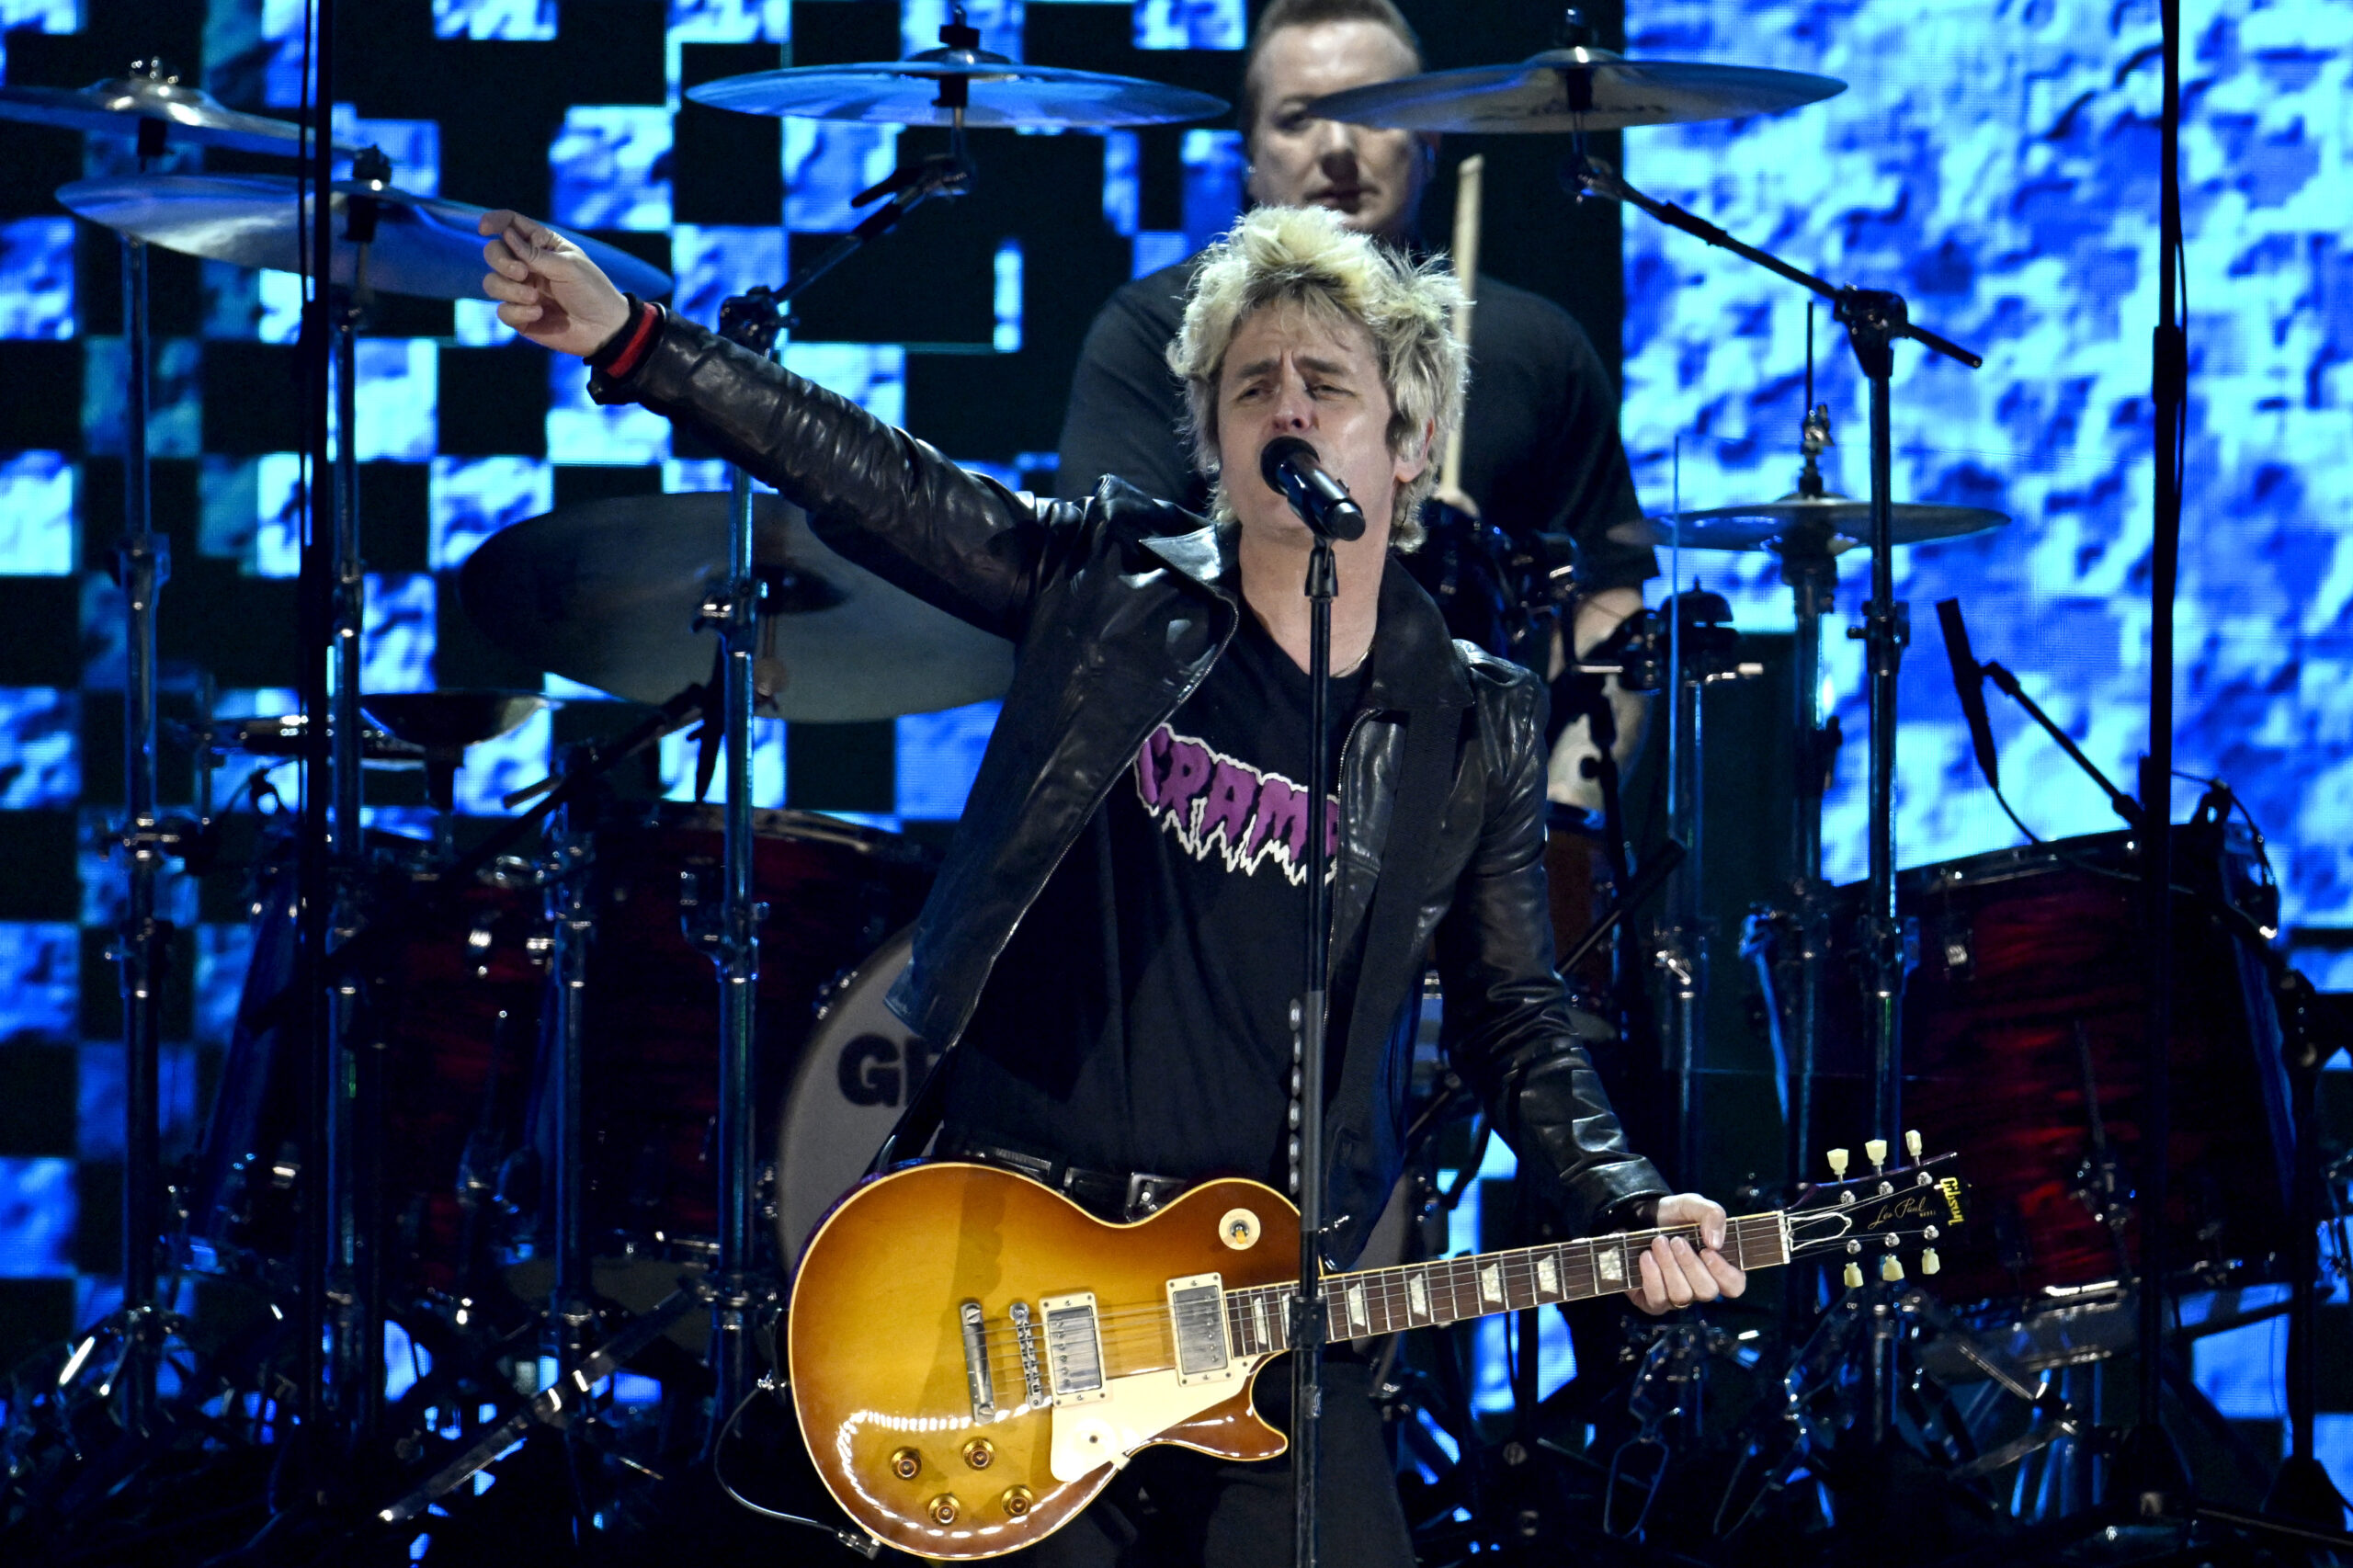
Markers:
point(2021, 950)
point(833, 891)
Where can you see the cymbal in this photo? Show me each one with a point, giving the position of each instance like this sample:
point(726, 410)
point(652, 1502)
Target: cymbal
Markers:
point(287, 735)
point(1831, 523)
point(919, 91)
point(607, 593)
point(1578, 88)
point(119, 105)
point(424, 246)
point(454, 718)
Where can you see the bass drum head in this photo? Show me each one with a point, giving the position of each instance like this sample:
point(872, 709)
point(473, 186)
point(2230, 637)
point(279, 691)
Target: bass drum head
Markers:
point(853, 1078)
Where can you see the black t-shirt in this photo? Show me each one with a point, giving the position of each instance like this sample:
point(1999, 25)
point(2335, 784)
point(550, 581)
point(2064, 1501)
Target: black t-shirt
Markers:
point(1541, 451)
point(1138, 1020)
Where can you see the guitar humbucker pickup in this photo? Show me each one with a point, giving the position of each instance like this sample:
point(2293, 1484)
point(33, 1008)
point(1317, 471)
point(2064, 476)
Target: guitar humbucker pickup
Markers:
point(1073, 1347)
point(1196, 1322)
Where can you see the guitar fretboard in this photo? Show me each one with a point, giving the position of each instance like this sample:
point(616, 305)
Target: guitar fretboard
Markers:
point(1450, 1289)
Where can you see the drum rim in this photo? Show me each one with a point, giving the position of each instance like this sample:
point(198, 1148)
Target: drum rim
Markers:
point(791, 825)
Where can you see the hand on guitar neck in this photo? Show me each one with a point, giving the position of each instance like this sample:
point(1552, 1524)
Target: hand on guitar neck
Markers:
point(1675, 1272)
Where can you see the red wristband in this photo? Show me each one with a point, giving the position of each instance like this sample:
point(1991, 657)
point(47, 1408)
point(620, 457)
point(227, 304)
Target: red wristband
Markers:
point(640, 337)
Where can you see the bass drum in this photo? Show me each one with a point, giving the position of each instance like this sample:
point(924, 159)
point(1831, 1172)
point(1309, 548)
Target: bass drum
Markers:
point(853, 1081)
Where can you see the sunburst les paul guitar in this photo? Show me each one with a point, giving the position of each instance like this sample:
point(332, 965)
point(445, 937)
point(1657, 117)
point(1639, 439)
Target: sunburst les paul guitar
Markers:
point(973, 1356)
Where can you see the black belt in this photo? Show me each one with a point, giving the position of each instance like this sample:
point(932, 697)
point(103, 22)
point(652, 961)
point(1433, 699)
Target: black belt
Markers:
point(1125, 1198)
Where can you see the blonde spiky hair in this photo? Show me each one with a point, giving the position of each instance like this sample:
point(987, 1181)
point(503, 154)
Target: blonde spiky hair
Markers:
point(1304, 256)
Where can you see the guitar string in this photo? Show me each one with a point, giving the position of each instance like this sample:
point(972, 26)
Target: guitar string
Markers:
point(1151, 1318)
point(1127, 1333)
point(1518, 1264)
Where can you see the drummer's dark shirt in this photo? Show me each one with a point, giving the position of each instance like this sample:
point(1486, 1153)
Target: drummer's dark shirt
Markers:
point(1540, 451)
point(1138, 1020)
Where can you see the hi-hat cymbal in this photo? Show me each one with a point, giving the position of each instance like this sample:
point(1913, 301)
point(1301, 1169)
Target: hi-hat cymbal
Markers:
point(118, 106)
point(423, 244)
point(1832, 523)
point(607, 593)
point(1578, 88)
point(922, 89)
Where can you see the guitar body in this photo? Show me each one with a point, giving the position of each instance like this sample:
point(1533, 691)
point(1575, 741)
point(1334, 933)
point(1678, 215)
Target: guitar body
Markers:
point(880, 1350)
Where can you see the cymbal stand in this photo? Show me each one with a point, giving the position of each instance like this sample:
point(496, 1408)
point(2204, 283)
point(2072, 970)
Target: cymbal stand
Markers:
point(758, 320)
point(142, 564)
point(355, 1130)
point(570, 927)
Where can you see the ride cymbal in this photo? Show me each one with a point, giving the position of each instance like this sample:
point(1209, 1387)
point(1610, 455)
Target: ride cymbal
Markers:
point(608, 594)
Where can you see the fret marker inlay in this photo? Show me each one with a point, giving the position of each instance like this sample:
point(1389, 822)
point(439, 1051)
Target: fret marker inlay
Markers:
point(1258, 1319)
point(1491, 1282)
point(1355, 1307)
point(1417, 1295)
point(1547, 1276)
point(1613, 1263)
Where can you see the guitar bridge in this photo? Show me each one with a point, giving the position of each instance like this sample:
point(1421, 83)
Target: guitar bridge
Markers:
point(1197, 1322)
point(1025, 1341)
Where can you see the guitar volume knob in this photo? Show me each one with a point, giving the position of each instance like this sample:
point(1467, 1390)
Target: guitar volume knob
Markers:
point(1016, 1501)
point(943, 1509)
point(978, 1452)
point(906, 1463)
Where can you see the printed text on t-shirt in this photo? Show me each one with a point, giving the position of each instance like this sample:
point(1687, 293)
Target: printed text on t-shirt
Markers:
point(1211, 801)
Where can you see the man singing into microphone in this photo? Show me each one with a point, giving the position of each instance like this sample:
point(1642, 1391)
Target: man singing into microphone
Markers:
point(1114, 942)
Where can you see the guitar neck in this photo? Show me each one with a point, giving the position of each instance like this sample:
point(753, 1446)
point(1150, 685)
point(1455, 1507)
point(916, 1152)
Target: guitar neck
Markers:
point(1451, 1290)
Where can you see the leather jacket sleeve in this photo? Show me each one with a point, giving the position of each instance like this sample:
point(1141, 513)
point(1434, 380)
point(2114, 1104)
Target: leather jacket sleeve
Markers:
point(881, 497)
point(1506, 1012)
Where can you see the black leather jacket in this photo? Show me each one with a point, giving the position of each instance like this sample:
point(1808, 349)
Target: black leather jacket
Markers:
point(1118, 607)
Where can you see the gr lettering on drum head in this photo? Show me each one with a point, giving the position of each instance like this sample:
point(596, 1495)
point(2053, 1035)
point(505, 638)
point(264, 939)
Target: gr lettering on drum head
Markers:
point(858, 1071)
point(881, 1070)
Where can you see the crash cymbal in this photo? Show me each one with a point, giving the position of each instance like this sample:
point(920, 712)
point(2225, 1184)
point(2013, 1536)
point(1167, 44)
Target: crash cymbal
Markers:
point(1832, 522)
point(922, 90)
point(423, 244)
point(1579, 88)
point(607, 593)
point(120, 104)
point(451, 718)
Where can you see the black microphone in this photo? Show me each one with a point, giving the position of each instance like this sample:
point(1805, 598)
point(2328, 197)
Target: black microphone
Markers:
point(1291, 469)
point(1969, 681)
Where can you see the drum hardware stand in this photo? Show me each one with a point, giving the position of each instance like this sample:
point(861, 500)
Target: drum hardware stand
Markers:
point(355, 1132)
point(2302, 1491)
point(571, 1308)
point(756, 322)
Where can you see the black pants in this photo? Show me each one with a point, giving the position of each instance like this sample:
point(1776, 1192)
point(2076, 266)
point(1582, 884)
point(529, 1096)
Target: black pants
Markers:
point(1175, 1507)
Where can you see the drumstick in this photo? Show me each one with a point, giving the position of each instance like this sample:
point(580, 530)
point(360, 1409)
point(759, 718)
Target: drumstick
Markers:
point(1466, 272)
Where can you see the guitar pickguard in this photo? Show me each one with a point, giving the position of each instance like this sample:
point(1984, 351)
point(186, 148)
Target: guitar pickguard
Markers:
point(1140, 1408)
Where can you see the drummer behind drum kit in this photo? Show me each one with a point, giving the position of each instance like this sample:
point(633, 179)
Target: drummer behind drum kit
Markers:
point(550, 1126)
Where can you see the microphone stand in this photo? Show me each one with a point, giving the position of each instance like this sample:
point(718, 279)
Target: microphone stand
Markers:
point(1308, 1326)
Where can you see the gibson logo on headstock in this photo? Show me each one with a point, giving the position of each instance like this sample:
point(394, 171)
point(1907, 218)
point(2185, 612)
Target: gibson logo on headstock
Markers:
point(1951, 1188)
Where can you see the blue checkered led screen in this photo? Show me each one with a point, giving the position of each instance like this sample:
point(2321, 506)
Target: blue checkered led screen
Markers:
point(1994, 161)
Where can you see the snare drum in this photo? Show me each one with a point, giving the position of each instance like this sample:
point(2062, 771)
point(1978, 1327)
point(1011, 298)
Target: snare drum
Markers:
point(649, 1034)
point(2024, 1026)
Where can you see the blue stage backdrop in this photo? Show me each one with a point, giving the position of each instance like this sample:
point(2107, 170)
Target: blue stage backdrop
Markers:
point(1992, 161)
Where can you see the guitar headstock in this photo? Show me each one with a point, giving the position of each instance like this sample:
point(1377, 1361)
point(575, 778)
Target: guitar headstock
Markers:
point(1873, 1220)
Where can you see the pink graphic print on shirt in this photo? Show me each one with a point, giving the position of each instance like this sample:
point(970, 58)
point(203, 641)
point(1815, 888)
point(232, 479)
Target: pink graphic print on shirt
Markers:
point(1211, 801)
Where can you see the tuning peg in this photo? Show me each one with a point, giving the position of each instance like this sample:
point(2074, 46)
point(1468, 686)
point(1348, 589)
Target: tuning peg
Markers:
point(1929, 1263)
point(1912, 1144)
point(1854, 1277)
point(1891, 1269)
point(1837, 1165)
point(1875, 1150)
